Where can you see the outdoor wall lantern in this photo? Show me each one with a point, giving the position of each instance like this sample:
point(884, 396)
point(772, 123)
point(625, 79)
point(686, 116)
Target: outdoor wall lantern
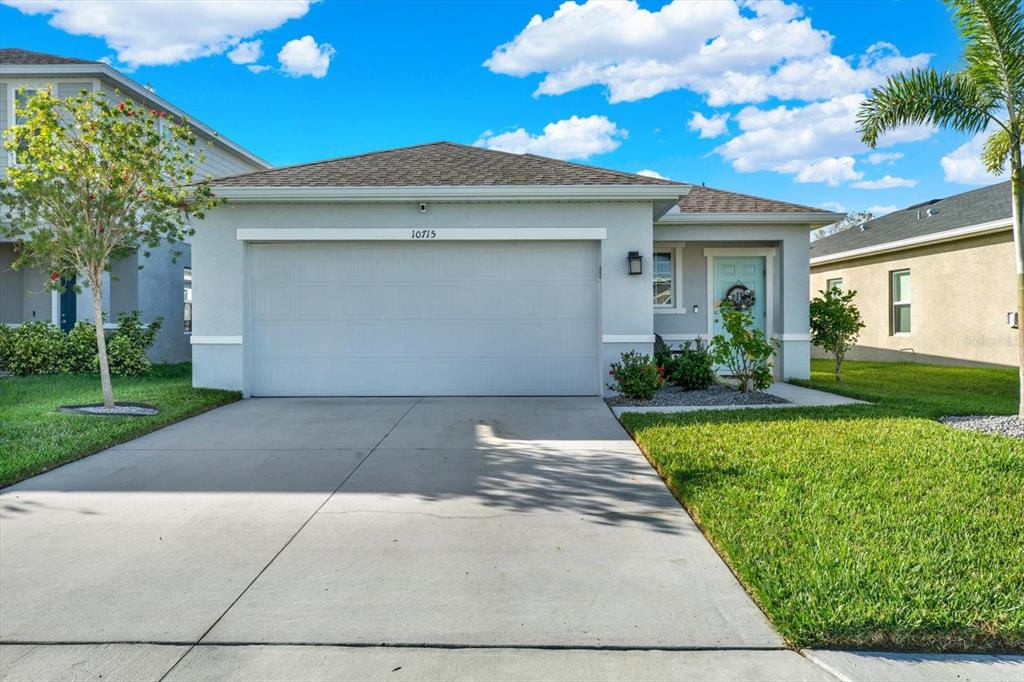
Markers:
point(635, 262)
point(696, 309)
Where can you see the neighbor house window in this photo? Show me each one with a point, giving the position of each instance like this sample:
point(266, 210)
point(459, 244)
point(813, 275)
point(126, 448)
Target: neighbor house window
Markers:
point(20, 100)
point(835, 283)
point(663, 278)
point(188, 300)
point(899, 293)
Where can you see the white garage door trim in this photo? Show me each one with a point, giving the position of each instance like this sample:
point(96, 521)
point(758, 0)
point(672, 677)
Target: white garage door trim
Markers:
point(281, 357)
point(334, 234)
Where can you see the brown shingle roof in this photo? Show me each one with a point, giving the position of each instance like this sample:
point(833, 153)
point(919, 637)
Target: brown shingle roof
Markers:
point(703, 199)
point(16, 55)
point(436, 164)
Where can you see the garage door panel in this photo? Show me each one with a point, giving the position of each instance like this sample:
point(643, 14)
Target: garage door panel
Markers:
point(457, 318)
point(389, 301)
point(567, 339)
point(406, 377)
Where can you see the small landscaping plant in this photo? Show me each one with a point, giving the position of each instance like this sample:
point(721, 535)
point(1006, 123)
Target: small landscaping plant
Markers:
point(636, 376)
point(745, 350)
point(835, 324)
point(692, 368)
point(662, 352)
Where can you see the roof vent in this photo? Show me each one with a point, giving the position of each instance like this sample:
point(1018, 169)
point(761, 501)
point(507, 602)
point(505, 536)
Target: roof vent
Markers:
point(932, 211)
point(863, 227)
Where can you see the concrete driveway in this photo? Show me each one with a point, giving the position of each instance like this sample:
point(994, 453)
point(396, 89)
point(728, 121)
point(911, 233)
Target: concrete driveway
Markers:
point(447, 529)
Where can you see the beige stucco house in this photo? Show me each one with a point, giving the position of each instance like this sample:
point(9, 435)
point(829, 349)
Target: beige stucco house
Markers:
point(935, 282)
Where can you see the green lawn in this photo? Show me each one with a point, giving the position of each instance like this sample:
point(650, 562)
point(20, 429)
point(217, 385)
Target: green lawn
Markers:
point(34, 437)
point(863, 526)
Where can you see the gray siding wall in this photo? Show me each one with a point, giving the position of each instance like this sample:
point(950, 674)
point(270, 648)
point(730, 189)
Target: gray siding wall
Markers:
point(11, 290)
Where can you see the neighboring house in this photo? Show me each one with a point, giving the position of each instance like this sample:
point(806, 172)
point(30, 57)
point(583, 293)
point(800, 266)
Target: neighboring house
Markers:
point(935, 282)
point(160, 289)
point(443, 269)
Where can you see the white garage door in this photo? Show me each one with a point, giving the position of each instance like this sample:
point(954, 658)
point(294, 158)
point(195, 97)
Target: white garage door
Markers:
point(436, 318)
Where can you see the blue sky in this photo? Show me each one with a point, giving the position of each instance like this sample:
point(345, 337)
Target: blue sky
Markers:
point(612, 84)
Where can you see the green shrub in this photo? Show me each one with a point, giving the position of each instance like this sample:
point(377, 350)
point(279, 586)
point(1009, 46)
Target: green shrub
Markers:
point(745, 350)
point(662, 352)
point(126, 346)
point(636, 376)
point(6, 339)
point(38, 348)
point(82, 348)
point(125, 357)
point(835, 324)
point(692, 368)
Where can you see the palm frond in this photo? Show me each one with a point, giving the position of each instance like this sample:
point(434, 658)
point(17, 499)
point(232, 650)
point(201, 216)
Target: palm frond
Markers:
point(925, 96)
point(996, 151)
point(993, 32)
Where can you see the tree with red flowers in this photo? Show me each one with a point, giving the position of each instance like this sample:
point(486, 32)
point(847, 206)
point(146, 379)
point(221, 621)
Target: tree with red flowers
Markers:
point(93, 181)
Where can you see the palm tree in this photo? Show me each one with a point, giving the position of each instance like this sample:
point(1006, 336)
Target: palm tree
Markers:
point(986, 94)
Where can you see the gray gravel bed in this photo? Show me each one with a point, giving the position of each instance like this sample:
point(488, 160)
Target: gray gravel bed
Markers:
point(669, 396)
point(118, 410)
point(996, 424)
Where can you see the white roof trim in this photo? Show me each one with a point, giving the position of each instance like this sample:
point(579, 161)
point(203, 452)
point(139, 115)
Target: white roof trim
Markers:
point(804, 218)
point(125, 82)
point(911, 242)
point(450, 193)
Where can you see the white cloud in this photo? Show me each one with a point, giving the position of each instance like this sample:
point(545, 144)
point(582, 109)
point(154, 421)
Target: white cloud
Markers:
point(885, 182)
point(878, 210)
point(830, 170)
point(246, 53)
point(572, 138)
point(304, 57)
point(876, 158)
point(833, 206)
point(963, 165)
point(257, 68)
point(730, 51)
point(815, 142)
point(647, 173)
point(713, 126)
point(165, 31)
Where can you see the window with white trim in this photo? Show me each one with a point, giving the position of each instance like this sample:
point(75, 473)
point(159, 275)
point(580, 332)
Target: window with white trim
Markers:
point(834, 283)
point(899, 296)
point(664, 279)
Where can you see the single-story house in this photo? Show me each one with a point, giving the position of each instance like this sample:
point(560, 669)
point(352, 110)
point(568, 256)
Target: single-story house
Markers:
point(935, 282)
point(162, 287)
point(445, 269)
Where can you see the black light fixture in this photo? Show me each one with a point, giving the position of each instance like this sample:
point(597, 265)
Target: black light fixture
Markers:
point(635, 262)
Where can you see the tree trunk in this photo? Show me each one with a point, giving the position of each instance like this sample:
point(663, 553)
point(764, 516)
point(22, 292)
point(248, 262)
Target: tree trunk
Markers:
point(839, 369)
point(101, 340)
point(1017, 190)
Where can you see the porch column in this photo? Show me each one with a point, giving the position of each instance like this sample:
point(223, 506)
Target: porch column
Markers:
point(794, 338)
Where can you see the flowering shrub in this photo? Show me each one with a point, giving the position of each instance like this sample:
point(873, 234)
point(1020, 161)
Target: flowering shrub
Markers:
point(692, 368)
point(744, 350)
point(636, 376)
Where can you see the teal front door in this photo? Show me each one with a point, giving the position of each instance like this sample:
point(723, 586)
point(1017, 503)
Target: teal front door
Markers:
point(733, 273)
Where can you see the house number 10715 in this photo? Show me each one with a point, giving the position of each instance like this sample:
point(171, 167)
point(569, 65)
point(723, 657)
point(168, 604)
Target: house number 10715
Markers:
point(424, 234)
